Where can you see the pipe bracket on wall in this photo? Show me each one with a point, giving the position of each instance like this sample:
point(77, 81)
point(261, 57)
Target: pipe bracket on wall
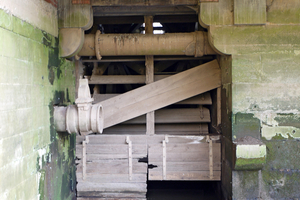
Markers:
point(82, 118)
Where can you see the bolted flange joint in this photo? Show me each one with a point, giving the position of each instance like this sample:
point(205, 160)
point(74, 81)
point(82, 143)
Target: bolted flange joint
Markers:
point(82, 118)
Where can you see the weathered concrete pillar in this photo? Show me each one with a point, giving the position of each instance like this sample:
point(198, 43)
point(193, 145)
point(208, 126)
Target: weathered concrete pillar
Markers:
point(261, 85)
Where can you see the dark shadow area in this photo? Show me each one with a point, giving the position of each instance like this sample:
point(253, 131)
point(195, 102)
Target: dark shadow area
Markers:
point(183, 190)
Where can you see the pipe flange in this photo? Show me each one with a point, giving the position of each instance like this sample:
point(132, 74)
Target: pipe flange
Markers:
point(72, 119)
point(97, 118)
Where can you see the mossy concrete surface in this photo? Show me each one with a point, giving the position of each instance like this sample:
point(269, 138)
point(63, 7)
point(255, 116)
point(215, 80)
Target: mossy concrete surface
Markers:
point(265, 92)
point(35, 161)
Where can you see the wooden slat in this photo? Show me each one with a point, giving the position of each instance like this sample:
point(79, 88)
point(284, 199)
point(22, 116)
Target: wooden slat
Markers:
point(191, 175)
point(94, 157)
point(122, 79)
point(114, 149)
point(148, 3)
point(113, 166)
point(96, 195)
point(111, 187)
point(183, 157)
point(184, 148)
point(143, 139)
point(183, 115)
point(112, 178)
point(169, 129)
point(185, 166)
point(161, 93)
point(201, 99)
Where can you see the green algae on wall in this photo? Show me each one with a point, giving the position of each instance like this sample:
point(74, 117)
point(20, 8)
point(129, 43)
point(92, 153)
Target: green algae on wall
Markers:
point(35, 79)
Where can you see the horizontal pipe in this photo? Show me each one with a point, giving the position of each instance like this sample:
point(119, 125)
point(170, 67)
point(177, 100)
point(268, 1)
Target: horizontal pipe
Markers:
point(189, 44)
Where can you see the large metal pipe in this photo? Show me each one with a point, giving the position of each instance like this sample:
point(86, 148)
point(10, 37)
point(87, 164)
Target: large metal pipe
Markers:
point(190, 44)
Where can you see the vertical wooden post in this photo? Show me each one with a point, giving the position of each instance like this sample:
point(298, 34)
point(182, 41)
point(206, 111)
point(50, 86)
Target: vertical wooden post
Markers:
point(149, 63)
point(219, 106)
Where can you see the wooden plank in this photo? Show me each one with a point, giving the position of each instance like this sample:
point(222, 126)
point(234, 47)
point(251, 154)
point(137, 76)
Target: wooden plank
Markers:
point(161, 93)
point(143, 139)
point(183, 115)
point(122, 79)
point(185, 166)
point(191, 175)
point(94, 157)
point(96, 195)
point(184, 148)
point(111, 187)
point(149, 63)
point(112, 178)
point(219, 108)
point(250, 12)
point(183, 157)
point(173, 129)
point(114, 149)
point(148, 3)
point(201, 99)
point(113, 166)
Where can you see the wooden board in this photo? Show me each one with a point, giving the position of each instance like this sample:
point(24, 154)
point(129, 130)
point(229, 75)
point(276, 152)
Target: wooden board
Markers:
point(186, 166)
point(143, 139)
point(161, 93)
point(184, 161)
point(122, 79)
point(191, 175)
point(94, 195)
point(168, 129)
point(148, 3)
point(183, 148)
point(111, 178)
point(183, 115)
point(111, 187)
point(201, 99)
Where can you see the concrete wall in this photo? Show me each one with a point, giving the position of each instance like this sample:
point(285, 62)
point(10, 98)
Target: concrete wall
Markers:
point(35, 161)
point(264, 88)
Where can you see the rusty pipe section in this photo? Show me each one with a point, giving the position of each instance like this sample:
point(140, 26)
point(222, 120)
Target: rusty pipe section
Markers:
point(82, 118)
point(190, 44)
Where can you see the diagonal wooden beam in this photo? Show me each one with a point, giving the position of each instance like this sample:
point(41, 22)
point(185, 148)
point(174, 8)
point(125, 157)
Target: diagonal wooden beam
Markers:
point(161, 93)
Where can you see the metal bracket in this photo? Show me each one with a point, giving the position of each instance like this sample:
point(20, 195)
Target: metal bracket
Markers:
point(165, 157)
point(129, 157)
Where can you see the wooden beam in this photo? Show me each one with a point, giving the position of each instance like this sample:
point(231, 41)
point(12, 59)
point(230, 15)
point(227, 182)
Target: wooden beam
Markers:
point(140, 19)
point(149, 63)
point(201, 99)
point(142, 10)
point(170, 116)
point(161, 93)
point(122, 79)
point(184, 175)
point(169, 129)
point(142, 139)
point(148, 3)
